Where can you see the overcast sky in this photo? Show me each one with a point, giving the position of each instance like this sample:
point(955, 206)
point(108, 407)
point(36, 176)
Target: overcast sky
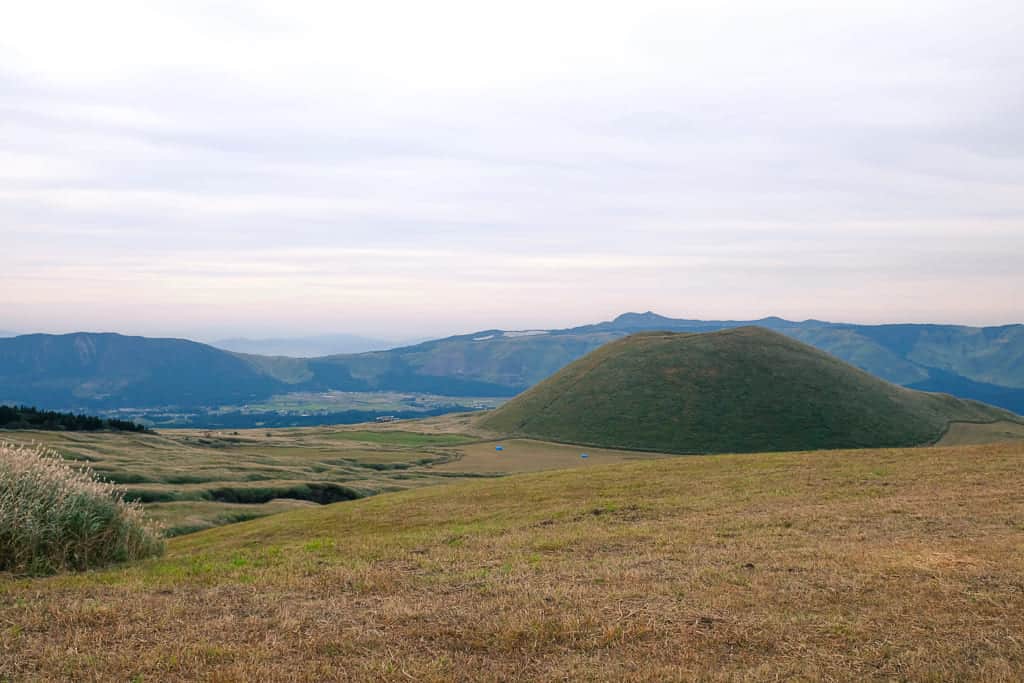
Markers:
point(211, 169)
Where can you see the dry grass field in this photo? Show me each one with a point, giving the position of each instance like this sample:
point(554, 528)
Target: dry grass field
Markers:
point(529, 455)
point(839, 565)
point(969, 433)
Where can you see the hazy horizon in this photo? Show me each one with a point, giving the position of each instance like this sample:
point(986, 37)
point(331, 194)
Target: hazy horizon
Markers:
point(401, 170)
point(402, 341)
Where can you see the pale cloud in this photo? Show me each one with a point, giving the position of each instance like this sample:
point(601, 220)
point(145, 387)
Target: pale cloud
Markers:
point(413, 169)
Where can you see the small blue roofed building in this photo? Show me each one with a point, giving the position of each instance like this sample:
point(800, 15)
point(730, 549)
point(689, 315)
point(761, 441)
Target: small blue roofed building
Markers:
point(584, 455)
point(499, 448)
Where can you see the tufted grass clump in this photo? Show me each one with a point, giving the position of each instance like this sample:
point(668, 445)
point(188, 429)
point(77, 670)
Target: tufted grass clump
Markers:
point(56, 517)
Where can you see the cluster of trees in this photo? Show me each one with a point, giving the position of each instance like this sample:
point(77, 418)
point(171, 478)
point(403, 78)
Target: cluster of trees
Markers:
point(26, 417)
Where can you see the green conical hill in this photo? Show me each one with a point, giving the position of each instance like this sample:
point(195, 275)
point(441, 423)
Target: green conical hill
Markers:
point(740, 390)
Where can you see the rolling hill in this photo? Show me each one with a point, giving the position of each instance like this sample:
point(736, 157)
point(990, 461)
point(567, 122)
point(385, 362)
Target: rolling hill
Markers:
point(740, 390)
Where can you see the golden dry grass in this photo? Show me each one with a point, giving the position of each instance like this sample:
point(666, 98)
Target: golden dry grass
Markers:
point(529, 455)
point(970, 433)
point(842, 565)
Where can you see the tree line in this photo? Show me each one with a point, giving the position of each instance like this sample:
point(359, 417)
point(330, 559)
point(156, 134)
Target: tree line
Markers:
point(28, 417)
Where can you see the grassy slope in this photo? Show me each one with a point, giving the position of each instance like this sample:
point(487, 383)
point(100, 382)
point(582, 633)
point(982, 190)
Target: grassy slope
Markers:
point(858, 350)
point(460, 366)
point(746, 389)
point(968, 433)
point(891, 564)
point(994, 355)
point(281, 368)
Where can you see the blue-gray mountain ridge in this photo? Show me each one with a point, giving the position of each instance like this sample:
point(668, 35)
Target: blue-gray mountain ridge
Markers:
point(102, 371)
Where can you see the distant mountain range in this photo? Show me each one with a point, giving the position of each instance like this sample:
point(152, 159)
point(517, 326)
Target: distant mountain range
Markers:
point(306, 347)
point(91, 371)
point(86, 370)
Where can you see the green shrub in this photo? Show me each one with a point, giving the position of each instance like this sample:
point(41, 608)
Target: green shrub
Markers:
point(54, 516)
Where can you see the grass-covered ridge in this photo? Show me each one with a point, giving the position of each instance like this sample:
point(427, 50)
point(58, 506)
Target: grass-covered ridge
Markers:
point(740, 390)
point(866, 565)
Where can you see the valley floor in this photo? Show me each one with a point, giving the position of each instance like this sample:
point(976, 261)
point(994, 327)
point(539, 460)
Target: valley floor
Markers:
point(842, 565)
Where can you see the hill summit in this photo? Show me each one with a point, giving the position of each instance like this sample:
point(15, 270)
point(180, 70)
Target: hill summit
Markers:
point(738, 390)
